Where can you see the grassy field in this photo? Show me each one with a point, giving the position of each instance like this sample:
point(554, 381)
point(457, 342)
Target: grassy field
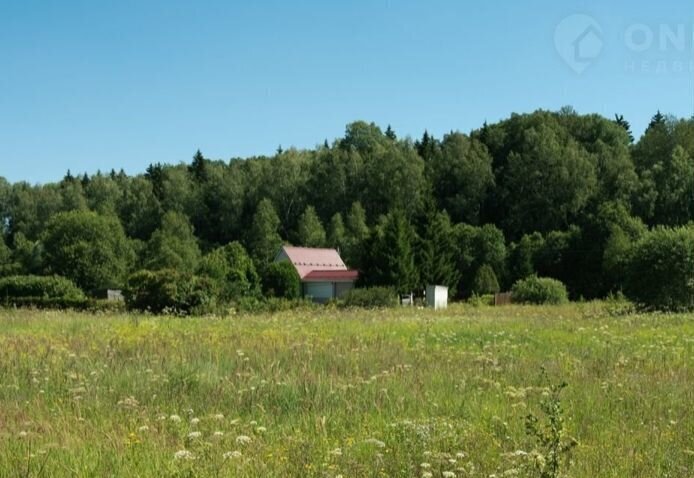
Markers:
point(326, 393)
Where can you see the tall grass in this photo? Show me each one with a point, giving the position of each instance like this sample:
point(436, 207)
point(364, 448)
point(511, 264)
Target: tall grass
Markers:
point(325, 393)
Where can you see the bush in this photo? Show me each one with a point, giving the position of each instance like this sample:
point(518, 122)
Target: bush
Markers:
point(280, 279)
point(539, 290)
point(169, 291)
point(485, 281)
point(481, 300)
point(39, 287)
point(371, 297)
point(660, 270)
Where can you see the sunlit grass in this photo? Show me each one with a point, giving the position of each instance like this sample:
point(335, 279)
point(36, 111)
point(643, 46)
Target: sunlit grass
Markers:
point(397, 393)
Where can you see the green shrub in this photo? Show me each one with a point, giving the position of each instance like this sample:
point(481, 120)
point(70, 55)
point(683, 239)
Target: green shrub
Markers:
point(539, 290)
point(485, 281)
point(280, 279)
point(169, 291)
point(371, 297)
point(39, 287)
point(480, 300)
point(660, 270)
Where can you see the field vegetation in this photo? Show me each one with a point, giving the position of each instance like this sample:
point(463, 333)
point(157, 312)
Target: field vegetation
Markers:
point(324, 392)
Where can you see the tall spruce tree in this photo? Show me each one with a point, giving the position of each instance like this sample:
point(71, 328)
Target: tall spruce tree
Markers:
point(437, 253)
point(391, 260)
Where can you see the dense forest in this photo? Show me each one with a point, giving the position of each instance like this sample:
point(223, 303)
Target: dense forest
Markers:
point(556, 194)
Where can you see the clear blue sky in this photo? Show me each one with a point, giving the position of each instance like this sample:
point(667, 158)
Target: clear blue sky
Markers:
point(99, 85)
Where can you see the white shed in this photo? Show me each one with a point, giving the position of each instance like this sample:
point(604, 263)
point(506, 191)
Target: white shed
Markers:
point(437, 296)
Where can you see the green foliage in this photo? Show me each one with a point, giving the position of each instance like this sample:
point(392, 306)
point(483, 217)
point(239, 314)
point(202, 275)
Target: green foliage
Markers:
point(660, 270)
point(337, 233)
point(233, 271)
point(477, 246)
point(89, 249)
point(169, 291)
point(371, 297)
point(539, 290)
point(280, 279)
point(40, 287)
point(390, 258)
point(553, 446)
point(357, 234)
point(461, 173)
point(310, 232)
point(173, 245)
point(264, 240)
point(437, 253)
point(485, 281)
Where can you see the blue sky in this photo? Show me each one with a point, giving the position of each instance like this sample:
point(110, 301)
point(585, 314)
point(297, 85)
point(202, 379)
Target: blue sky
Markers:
point(100, 85)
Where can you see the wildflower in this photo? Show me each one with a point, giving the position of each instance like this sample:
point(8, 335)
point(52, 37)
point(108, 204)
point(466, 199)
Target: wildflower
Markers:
point(184, 455)
point(375, 442)
point(448, 474)
point(261, 429)
point(143, 428)
point(425, 465)
point(243, 439)
point(23, 434)
point(218, 434)
point(232, 454)
point(175, 418)
point(427, 474)
point(194, 421)
point(219, 416)
point(336, 452)
point(193, 435)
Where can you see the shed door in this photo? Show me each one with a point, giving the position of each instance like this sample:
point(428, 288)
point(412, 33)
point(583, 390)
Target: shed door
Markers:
point(319, 291)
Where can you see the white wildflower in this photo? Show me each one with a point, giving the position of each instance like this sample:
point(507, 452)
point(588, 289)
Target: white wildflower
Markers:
point(175, 418)
point(231, 454)
point(425, 465)
point(194, 421)
point(23, 434)
point(261, 429)
point(193, 435)
point(184, 455)
point(218, 434)
point(336, 452)
point(219, 416)
point(243, 439)
point(143, 428)
point(448, 474)
point(375, 442)
point(427, 474)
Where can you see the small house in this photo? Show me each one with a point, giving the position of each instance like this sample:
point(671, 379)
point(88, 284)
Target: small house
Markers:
point(323, 273)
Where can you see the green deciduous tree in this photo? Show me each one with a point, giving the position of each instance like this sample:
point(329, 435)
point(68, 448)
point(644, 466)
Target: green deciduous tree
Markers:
point(310, 232)
point(264, 240)
point(173, 245)
point(89, 249)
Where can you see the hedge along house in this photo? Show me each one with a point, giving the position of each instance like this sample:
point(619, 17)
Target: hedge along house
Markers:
point(323, 273)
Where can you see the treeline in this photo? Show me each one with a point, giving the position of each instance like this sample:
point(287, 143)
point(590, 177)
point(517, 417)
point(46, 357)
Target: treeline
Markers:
point(556, 194)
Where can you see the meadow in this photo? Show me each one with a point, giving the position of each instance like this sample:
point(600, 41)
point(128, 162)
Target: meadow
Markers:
point(332, 393)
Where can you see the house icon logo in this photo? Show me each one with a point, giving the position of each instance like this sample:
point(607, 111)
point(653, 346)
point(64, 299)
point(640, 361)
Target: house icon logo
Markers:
point(579, 41)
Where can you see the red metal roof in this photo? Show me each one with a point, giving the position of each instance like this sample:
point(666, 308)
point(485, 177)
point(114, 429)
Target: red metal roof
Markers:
point(307, 260)
point(332, 276)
